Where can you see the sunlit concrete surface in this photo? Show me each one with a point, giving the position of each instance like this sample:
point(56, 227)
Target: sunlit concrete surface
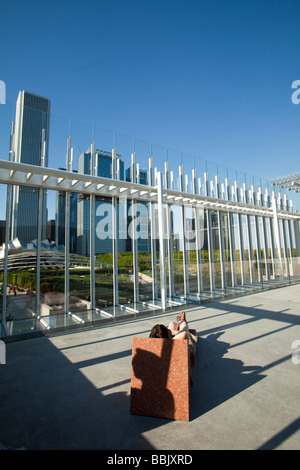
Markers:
point(72, 390)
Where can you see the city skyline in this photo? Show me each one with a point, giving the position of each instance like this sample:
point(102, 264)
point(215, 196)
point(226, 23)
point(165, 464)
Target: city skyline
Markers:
point(213, 79)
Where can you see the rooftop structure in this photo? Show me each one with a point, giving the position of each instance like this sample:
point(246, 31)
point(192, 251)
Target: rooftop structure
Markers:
point(194, 237)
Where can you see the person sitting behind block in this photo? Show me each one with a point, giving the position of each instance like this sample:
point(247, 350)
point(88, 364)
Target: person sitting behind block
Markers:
point(177, 330)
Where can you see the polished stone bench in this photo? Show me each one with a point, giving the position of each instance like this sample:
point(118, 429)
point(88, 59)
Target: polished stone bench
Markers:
point(160, 378)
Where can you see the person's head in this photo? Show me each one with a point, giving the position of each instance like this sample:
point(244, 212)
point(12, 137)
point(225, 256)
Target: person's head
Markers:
point(160, 331)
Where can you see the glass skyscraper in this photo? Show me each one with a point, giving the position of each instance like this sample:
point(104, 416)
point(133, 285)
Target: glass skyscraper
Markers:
point(30, 142)
point(104, 162)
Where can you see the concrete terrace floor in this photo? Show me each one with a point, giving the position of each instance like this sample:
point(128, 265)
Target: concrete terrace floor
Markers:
point(72, 390)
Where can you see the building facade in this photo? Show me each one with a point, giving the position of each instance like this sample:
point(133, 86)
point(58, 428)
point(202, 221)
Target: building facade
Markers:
point(29, 144)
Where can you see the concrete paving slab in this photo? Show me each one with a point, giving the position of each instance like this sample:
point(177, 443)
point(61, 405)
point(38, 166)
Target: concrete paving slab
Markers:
point(72, 390)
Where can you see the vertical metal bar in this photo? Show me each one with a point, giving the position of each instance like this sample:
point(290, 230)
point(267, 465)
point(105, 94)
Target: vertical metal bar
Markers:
point(183, 215)
point(134, 238)
point(257, 240)
point(92, 235)
point(277, 235)
point(249, 239)
point(289, 237)
point(231, 236)
point(198, 235)
point(39, 232)
point(209, 236)
point(297, 237)
point(285, 245)
point(221, 236)
point(5, 264)
point(115, 174)
point(153, 233)
point(262, 238)
point(67, 230)
point(271, 236)
point(38, 251)
point(169, 235)
point(240, 235)
point(264, 229)
point(161, 229)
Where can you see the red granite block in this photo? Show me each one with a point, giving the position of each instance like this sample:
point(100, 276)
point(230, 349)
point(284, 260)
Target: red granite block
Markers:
point(160, 384)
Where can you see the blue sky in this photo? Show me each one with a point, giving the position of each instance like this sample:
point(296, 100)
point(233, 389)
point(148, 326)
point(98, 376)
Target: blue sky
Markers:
point(211, 79)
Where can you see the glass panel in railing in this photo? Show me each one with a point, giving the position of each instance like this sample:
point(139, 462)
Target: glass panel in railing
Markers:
point(145, 276)
point(237, 250)
point(104, 143)
point(190, 237)
point(59, 132)
point(178, 247)
point(224, 216)
point(22, 259)
point(125, 255)
point(7, 116)
point(174, 159)
point(142, 151)
point(160, 156)
point(52, 265)
point(125, 148)
point(79, 286)
point(104, 283)
point(205, 261)
point(3, 195)
point(216, 250)
point(188, 164)
point(82, 137)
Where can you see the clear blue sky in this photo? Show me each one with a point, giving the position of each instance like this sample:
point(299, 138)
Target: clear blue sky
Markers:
point(210, 78)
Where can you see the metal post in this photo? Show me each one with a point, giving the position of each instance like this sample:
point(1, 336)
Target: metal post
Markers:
point(92, 234)
point(209, 237)
point(248, 228)
point(161, 228)
point(297, 237)
point(264, 244)
point(153, 233)
point(5, 264)
point(133, 238)
point(277, 235)
point(115, 173)
point(198, 236)
point(289, 237)
point(286, 258)
point(67, 230)
point(185, 258)
point(39, 232)
point(271, 236)
point(240, 235)
point(256, 234)
point(169, 235)
point(231, 236)
point(221, 236)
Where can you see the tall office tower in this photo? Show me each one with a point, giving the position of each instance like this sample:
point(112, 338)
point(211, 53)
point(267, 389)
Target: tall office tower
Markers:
point(30, 145)
point(104, 163)
point(60, 211)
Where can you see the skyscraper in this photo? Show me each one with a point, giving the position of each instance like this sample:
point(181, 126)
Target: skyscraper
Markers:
point(30, 145)
point(104, 162)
